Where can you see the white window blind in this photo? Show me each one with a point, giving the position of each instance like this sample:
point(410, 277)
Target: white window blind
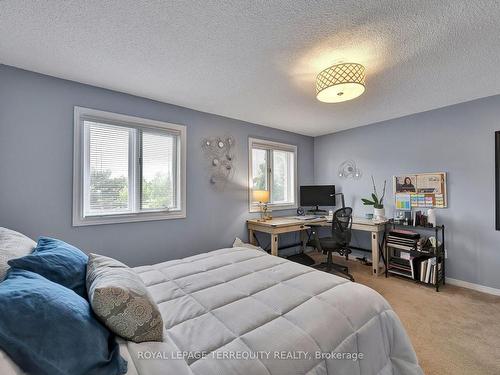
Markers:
point(127, 169)
point(108, 176)
point(259, 169)
point(282, 173)
point(158, 171)
point(272, 167)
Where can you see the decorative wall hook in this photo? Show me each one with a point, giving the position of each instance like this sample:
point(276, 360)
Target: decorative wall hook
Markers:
point(219, 152)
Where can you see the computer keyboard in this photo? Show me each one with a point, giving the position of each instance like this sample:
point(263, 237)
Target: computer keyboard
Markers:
point(310, 217)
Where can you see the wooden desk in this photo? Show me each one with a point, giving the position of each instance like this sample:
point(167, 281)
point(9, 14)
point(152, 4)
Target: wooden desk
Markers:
point(275, 227)
point(279, 225)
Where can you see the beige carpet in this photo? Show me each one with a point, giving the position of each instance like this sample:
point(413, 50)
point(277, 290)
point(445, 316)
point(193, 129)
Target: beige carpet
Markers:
point(455, 331)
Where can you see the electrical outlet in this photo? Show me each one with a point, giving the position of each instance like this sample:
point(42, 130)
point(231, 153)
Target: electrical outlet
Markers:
point(445, 254)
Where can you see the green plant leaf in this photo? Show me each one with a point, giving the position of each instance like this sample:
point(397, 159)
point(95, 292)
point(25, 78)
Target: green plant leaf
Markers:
point(367, 202)
point(375, 199)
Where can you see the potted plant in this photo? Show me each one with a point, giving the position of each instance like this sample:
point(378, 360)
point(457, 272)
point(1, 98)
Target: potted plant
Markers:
point(377, 202)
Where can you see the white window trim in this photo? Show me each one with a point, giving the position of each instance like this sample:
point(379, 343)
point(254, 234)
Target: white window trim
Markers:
point(79, 159)
point(275, 146)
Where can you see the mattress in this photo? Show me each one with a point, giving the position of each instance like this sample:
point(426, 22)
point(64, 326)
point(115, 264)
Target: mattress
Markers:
point(242, 311)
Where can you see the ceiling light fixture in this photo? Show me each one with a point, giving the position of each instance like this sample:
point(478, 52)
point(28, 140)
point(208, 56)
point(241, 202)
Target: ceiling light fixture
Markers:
point(340, 82)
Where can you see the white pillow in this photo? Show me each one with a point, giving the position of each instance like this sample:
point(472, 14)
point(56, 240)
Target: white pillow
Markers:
point(7, 365)
point(13, 245)
point(239, 243)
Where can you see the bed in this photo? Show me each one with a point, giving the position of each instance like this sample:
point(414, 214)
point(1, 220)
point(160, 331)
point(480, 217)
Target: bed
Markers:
point(242, 311)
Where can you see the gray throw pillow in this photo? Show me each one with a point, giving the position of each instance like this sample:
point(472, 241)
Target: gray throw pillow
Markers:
point(13, 245)
point(120, 299)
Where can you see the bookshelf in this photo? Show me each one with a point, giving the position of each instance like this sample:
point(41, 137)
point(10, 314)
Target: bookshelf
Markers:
point(412, 255)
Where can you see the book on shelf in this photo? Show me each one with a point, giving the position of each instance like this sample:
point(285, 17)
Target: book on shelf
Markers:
point(398, 272)
point(400, 268)
point(423, 270)
point(411, 255)
point(400, 233)
point(402, 265)
point(405, 256)
point(430, 270)
point(419, 267)
point(401, 247)
point(422, 244)
point(416, 263)
point(400, 239)
point(401, 243)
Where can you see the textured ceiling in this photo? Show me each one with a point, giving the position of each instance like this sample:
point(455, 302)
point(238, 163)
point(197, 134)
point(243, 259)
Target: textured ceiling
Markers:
point(257, 60)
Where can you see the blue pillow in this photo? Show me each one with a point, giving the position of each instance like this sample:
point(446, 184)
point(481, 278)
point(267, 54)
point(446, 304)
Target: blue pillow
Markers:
point(57, 261)
point(49, 330)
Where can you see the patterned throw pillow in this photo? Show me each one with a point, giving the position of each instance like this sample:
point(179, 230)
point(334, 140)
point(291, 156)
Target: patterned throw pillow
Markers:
point(121, 301)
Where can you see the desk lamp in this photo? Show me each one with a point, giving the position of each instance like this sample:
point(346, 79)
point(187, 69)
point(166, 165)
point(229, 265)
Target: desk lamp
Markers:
point(261, 196)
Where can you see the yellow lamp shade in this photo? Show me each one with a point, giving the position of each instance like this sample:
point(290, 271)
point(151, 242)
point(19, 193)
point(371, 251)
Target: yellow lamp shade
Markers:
point(261, 196)
point(340, 83)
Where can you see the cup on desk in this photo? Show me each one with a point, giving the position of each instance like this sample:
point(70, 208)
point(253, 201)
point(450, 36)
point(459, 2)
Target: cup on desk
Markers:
point(369, 216)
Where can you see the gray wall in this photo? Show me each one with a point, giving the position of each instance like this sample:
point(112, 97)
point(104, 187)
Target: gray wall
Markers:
point(457, 140)
point(36, 156)
point(36, 146)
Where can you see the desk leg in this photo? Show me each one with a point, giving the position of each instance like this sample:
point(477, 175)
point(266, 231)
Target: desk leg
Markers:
point(375, 253)
point(274, 244)
point(251, 238)
point(303, 240)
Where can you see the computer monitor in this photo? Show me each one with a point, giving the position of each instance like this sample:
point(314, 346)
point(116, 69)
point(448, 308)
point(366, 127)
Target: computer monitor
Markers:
point(317, 195)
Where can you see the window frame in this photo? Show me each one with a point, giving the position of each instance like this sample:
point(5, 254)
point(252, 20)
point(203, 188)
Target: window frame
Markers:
point(270, 146)
point(80, 165)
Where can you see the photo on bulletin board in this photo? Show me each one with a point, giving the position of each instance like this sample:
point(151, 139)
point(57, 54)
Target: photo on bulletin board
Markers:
point(405, 184)
point(420, 190)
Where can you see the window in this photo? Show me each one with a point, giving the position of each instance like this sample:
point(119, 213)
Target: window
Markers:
point(127, 169)
point(273, 167)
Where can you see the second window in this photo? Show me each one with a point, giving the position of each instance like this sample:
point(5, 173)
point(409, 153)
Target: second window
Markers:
point(273, 168)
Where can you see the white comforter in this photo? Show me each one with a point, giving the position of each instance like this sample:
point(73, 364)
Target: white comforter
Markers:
point(241, 311)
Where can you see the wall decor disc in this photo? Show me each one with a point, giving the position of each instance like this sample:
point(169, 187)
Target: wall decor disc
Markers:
point(348, 169)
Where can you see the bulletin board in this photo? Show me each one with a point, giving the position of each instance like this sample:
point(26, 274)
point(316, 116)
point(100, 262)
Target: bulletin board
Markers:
point(420, 190)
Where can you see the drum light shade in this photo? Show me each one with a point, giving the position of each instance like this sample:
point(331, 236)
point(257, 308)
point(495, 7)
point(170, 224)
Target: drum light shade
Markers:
point(261, 196)
point(341, 82)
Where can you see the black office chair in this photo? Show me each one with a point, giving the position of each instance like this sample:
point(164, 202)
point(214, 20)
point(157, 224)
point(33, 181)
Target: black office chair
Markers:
point(338, 242)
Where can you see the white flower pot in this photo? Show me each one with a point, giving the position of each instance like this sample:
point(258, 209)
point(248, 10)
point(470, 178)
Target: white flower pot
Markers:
point(379, 214)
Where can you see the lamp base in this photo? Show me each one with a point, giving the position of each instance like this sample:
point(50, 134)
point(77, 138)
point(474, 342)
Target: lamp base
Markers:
point(264, 212)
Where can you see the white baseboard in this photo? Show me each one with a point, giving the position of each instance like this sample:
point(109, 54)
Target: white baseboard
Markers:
point(479, 288)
